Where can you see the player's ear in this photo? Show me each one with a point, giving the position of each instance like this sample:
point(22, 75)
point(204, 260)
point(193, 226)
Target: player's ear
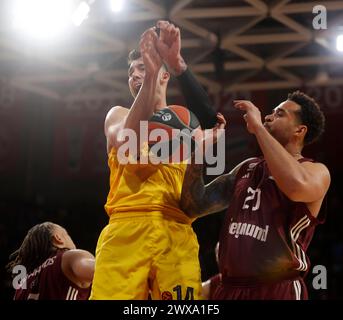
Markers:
point(301, 130)
point(57, 240)
point(165, 76)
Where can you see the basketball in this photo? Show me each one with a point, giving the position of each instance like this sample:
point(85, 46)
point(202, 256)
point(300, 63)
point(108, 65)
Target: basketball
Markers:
point(173, 132)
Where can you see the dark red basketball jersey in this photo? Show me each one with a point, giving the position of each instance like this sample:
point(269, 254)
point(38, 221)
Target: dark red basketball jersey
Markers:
point(48, 282)
point(215, 281)
point(265, 235)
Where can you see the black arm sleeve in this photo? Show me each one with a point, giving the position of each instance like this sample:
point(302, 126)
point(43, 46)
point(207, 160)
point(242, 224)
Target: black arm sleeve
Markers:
point(197, 100)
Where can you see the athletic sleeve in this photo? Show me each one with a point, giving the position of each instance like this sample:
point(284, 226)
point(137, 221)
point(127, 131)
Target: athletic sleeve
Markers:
point(197, 100)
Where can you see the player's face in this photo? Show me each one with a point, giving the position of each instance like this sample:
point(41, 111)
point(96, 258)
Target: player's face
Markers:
point(136, 75)
point(283, 121)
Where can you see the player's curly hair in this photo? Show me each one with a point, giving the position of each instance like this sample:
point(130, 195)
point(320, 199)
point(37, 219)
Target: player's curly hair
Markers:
point(310, 115)
point(36, 247)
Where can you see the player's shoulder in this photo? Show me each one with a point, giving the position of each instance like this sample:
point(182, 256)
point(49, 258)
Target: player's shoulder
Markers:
point(117, 110)
point(314, 164)
point(317, 168)
point(114, 116)
point(72, 256)
point(76, 253)
point(244, 163)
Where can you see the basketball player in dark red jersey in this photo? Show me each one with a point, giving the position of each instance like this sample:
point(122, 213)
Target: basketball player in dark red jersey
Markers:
point(55, 269)
point(273, 204)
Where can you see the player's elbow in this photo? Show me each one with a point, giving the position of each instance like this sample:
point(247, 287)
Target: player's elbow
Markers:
point(89, 267)
point(303, 192)
point(294, 196)
point(293, 190)
point(84, 270)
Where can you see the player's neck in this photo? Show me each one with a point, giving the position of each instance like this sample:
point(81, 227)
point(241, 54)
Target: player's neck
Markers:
point(160, 103)
point(294, 150)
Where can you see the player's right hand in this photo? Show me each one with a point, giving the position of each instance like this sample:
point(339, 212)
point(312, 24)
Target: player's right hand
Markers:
point(252, 115)
point(151, 58)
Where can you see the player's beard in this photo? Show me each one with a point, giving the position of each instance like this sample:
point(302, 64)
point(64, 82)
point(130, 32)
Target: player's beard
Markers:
point(280, 137)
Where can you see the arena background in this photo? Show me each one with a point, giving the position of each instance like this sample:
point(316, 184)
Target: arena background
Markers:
point(56, 90)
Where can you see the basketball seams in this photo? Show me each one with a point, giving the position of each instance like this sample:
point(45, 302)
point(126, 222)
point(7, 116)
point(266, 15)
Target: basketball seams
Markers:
point(181, 121)
point(175, 122)
point(190, 119)
point(187, 115)
point(173, 117)
point(163, 126)
point(160, 125)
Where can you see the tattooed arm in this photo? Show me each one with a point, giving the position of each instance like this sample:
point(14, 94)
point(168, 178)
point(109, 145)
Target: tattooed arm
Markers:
point(198, 199)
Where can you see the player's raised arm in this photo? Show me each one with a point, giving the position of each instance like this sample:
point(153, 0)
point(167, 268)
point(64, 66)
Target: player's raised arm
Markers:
point(143, 76)
point(198, 199)
point(301, 182)
point(197, 100)
point(143, 106)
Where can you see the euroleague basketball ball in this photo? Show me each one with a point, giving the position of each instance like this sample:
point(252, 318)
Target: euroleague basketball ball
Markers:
point(173, 132)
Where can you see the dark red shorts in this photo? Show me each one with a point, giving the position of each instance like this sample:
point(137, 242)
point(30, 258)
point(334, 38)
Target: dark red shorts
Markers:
point(294, 289)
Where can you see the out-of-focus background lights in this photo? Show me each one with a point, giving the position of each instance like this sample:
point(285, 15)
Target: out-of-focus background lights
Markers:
point(81, 13)
point(116, 5)
point(339, 43)
point(42, 18)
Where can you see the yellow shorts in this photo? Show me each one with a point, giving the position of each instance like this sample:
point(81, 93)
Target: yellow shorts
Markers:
point(138, 254)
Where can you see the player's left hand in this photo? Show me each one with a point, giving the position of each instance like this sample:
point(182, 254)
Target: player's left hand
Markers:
point(211, 136)
point(168, 46)
point(252, 114)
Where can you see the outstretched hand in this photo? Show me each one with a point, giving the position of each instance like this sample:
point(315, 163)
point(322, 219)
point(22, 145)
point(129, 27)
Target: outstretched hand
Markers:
point(252, 114)
point(151, 58)
point(168, 46)
point(211, 136)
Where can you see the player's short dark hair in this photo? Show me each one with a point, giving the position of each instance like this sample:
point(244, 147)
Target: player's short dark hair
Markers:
point(133, 55)
point(136, 54)
point(310, 115)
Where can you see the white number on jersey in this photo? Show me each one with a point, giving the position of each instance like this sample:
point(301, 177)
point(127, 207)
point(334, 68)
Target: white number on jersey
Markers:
point(252, 195)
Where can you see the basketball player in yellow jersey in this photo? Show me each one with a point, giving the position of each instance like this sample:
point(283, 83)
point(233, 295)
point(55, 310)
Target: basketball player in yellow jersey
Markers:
point(149, 244)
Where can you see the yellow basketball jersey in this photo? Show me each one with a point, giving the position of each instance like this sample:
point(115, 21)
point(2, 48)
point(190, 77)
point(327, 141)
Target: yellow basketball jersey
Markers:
point(141, 188)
